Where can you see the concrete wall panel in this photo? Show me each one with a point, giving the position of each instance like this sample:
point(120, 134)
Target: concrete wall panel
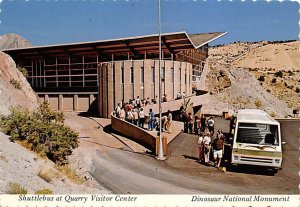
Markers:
point(83, 103)
point(68, 103)
point(53, 100)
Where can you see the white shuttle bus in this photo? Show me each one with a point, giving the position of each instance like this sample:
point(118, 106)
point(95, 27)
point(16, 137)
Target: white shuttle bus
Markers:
point(257, 140)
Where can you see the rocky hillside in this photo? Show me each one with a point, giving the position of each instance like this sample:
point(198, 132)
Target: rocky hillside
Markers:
point(13, 40)
point(255, 75)
point(14, 88)
point(23, 167)
point(19, 165)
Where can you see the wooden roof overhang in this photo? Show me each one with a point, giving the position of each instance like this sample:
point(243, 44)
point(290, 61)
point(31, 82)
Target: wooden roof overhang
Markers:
point(171, 42)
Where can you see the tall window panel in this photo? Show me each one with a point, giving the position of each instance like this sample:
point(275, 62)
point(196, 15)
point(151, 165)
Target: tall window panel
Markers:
point(172, 74)
point(122, 74)
point(131, 75)
point(152, 75)
point(142, 75)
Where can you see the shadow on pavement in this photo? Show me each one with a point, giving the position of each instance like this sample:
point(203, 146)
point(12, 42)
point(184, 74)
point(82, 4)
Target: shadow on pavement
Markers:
point(108, 129)
point(149, 154)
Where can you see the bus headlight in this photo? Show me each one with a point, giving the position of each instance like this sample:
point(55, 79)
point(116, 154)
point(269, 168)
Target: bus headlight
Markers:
point(277, 161)
point(235, 157)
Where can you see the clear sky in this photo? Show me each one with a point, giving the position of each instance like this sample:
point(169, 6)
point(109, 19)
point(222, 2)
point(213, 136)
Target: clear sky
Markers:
point(45, 22)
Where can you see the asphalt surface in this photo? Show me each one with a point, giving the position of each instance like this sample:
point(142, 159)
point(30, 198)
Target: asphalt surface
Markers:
point(124, 171)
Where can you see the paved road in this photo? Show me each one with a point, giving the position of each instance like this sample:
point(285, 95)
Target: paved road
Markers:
point(127, 172)
point(123, 171)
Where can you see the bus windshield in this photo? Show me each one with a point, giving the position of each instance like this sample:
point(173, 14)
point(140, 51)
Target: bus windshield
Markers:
point(262, 134)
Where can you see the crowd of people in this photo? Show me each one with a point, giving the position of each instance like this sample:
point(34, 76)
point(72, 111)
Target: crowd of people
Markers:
point(134, 113)
point(211, 145)
point(207, 146)
point(196, 124)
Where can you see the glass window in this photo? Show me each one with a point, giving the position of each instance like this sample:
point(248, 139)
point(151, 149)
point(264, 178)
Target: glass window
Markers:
point(179, 75)
point(142, 75)
point(172, 75)
point(153, 74)
point(131, 75)
point(163, 73)
point(122, 74)
point(262, 134)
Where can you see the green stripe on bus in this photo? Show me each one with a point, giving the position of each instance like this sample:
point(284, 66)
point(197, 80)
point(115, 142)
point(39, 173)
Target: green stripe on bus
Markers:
point(258, 153)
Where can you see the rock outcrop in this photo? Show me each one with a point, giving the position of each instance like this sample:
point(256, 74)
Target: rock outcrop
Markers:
point(254, 75)
point(12, 40)
point(14, 88)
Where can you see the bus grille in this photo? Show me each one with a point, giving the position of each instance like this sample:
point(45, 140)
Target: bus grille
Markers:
point(255, 159)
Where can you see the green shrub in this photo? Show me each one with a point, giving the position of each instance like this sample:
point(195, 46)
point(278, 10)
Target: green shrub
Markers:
point(279, 74)
point(15, 188)
point(42, 131)
point(70, 173)
point(297, 90)
point(44, 192)
point(261, 78)
point(23, 71)
point(257, 103)
point(274, 80)
point(16, 84)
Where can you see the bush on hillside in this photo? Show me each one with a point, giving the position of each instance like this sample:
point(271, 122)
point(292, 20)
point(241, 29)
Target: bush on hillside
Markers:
point(16, 84)
point(15, 188)
point(258, 103)
point(279, 74)
point(261, 78)
point(23, 71)
point(297, 90)
point(42, 131)
point(274, 80)
point(44, 192)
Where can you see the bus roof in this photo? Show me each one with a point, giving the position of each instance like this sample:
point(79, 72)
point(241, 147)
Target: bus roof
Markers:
point(255, 116)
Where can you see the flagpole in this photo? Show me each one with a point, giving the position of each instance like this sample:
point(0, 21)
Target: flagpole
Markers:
point(160, 155)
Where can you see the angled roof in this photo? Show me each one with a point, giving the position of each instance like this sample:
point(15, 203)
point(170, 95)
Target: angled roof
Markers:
point(172, 42)
point(204, 38)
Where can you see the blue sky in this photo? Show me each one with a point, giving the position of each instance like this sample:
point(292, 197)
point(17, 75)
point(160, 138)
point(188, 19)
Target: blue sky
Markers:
point(44, 22)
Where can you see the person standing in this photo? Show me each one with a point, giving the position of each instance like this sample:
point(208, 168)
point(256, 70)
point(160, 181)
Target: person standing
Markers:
point(169, 121)
point(151, 120)
point(135, 117)
point(200, 144)
point(206, 147)
point(117, 110)
point(211, 125)
point(141, 118)
point(198, 125)
point(231, 124)
point(130, 116)
point(203, 123)
point(218, 148)
point(190, 123)
point(122, 114)
point(138, 102)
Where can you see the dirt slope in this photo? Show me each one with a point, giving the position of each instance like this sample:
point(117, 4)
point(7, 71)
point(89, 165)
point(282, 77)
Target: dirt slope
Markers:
point(10, 77)
point(255, 75)
point(13, 40)
point(22, 166)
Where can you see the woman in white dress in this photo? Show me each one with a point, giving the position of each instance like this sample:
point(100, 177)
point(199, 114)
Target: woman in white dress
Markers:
point(206, 147)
